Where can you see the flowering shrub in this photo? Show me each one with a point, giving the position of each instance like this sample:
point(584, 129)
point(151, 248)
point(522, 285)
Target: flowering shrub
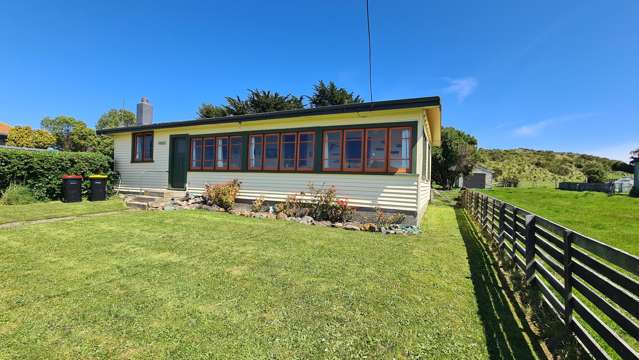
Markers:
point(340, 211)
point(222, 195)
point(293, 206)
point(257, 204)
point(382, 220)
point(325, 205)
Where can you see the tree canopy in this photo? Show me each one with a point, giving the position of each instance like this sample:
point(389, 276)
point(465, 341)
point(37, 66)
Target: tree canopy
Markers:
point(74, 135)
point(24, 136)
point(61, 127)
point(456, 156)
point(115, 118)
point(260, 101)
point(326, 95)
point(595, 172)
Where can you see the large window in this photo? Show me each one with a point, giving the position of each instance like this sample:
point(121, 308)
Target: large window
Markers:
point(142, 147)
point(216, 153)
point(289, 151)
point(356, 150)
point(374, 150)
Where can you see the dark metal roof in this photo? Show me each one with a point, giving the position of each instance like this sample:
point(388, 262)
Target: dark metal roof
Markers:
point(326, 110)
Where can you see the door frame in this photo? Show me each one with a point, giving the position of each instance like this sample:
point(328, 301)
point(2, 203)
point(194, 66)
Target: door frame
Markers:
point(170, 172)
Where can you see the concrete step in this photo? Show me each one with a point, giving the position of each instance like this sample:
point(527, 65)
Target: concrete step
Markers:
point(144, 198)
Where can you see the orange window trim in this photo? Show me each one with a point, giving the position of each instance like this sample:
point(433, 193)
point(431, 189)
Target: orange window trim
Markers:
point(344, 151)
point(410, 152)
point(312, 157)
point(325, 153)
point(191, 167)
point(377, 169)
point(281, 152)
point(231, 153)
point(261, 136)
point(224, 161)
point(277, 157)
point(204, 139)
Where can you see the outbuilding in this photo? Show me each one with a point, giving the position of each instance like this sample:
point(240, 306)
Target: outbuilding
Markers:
point(480, 178)
point(376, 154)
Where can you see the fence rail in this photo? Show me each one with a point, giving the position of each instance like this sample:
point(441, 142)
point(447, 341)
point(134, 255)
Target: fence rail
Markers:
point(590, 286)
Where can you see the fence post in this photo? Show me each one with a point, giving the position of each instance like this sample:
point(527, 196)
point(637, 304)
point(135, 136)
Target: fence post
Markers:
point(513, 233)
point(568, 303)
point(530, 248)
point(502, 227)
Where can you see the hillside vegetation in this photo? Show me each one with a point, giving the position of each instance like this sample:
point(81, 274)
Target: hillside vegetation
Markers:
point(546, 168)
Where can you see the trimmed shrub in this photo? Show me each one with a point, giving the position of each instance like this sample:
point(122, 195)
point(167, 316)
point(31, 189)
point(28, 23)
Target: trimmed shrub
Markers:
point(17, 195)
point(222, 195)
point(41, 171)
point(257, 204)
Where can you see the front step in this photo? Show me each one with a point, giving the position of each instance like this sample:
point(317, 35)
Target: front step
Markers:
point(137, 205)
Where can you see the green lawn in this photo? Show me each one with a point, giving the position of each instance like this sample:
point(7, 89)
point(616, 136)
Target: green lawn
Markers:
point(611, 219)
point(54, 209)
point(197, 284)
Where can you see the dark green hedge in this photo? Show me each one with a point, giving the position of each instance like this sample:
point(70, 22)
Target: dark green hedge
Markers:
point(41, 171)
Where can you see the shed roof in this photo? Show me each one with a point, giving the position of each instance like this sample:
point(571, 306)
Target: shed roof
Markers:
point(4, 128)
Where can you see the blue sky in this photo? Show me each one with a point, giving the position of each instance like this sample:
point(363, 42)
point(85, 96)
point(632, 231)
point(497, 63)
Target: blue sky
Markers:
point(556, 75)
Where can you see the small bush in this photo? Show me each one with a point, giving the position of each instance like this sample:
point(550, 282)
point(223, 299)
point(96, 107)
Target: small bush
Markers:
point(222, 195)
point(382, 220)
point(257, 204)
point(17, 195)
point(293, 206)
point(325, 205)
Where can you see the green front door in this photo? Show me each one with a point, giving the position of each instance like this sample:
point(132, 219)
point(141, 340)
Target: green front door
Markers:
point(178, 160)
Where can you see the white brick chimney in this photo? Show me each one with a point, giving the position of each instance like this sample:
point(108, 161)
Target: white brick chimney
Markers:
point(144, 115)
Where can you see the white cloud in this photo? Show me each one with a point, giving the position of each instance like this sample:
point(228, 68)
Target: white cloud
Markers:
point(534, 129)
point(461, 87)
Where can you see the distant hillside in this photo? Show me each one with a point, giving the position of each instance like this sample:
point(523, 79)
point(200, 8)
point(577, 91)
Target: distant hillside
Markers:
point(536, 167)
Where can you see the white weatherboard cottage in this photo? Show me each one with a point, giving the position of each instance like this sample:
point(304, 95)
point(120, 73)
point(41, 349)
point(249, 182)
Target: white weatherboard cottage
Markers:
point(377, 154)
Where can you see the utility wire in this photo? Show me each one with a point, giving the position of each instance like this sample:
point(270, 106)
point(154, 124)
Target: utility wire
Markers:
point(370, 56)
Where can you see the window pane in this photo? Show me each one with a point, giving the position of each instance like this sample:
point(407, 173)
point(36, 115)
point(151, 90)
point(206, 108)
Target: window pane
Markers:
point(255, 152)
point(400, 149)
point(353, 143)
point(235, 153)
point(209, 153)
point(332, 150)
point(148, 147)
point(306, 151)
point(138, 147)
point(271, 151)
point(222, 153)
point(196, 153)
point(288, 152)
point(376, 150)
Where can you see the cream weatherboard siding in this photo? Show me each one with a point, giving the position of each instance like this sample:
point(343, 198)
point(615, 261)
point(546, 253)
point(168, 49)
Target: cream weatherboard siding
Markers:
point(407, 192)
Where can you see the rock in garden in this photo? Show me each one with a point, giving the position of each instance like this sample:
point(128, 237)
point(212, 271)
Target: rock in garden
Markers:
point(351, 226)
point(307, 220)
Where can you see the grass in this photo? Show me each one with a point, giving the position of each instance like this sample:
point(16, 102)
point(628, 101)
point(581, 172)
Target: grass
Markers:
point(610, 219)
point(196, 284)
point(55, 209)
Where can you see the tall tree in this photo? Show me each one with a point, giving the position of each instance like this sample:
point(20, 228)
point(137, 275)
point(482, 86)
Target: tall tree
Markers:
point(326, 95)
point(115, 118)
point(61, 127)
point(208, 111)
point(260, 101)
point(24, 136)
point(456, 156)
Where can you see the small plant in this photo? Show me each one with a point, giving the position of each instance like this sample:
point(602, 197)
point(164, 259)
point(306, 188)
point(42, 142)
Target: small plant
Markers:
point(326, 206)
point(17, 195)
point(382, 220)
point(257, 204)
point(293, 206)
point(222, 195)
point(340, 211)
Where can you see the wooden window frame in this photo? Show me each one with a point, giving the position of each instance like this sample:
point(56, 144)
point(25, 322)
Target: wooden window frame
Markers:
point(384, 169)
point(325, 153)
point(277, 157)
point(362, 150)
point(392, 169)
point(248, 150)
point(297, 151)
point(204, 139)
point(225, 161)
point(281, 152)
point(134, 152)
point(192, 140)
point(230, 152)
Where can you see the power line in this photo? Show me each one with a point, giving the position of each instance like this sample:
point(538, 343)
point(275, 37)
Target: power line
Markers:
point(370, 56)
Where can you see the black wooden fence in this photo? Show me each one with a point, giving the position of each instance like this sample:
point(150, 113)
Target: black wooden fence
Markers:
point(591, 287)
